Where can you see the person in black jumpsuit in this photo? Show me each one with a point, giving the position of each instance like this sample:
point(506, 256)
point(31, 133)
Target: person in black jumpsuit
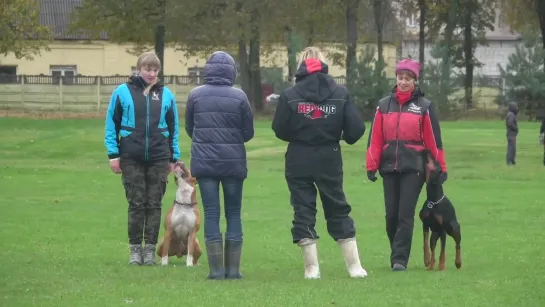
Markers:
point(313, 116)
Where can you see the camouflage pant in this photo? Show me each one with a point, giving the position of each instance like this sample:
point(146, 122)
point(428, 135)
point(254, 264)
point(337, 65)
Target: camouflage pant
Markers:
point(145, 185)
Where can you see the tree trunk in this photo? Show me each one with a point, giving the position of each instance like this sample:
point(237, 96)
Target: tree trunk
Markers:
point(422, 38)
point(468, 54)
point(448, 45)
point(160, 48)
point(292, 55)
point(378, 9)
point(244, 69)
point(160, 39)
point(254, 61)
point(541, 16)
point(352, 39)
point(310, 36)
point(243, 56)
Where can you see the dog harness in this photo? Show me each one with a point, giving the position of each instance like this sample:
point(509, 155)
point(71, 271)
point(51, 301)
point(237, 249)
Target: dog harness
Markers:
point(431, 204)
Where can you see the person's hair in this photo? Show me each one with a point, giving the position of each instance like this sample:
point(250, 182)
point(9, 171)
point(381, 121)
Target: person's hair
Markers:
point(311, 53)
point(408, 72)
point(148, 59)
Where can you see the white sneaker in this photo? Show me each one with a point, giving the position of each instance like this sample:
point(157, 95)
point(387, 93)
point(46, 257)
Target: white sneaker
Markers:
point(352, 258)
point(310, 256)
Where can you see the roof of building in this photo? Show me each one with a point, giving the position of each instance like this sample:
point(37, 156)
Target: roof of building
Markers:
point(57, 14)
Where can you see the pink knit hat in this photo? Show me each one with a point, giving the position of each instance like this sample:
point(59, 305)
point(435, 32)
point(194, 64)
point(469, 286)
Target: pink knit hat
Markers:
point(410, 65)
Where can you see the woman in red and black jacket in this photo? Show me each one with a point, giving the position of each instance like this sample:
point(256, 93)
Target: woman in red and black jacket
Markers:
point(405, 127)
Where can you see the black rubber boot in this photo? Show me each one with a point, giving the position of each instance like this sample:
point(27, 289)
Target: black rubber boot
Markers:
point(233, 250)
point(214, 252)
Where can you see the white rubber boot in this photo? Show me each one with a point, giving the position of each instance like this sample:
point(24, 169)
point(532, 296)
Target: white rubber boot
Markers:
point(310, 256)
point(352, 258)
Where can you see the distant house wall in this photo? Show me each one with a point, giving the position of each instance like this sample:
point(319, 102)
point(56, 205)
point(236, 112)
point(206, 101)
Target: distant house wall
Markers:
point(102, 58)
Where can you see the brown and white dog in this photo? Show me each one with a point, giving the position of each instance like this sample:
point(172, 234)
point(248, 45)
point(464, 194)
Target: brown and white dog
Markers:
point(182, 221)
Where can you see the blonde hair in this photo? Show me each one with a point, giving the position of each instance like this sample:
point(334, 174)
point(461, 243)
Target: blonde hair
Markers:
point(148, 59)
point(311, 53)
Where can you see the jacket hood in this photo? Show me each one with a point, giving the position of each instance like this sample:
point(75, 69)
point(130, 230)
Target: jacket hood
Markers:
point(220, 69)
point(312, 81)
point(513, 107)
point(137, 81)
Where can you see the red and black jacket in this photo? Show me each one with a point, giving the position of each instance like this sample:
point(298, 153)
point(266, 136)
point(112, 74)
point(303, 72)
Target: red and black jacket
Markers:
point(402, 133)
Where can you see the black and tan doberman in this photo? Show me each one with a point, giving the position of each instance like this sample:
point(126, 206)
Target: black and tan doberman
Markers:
point(438, 216)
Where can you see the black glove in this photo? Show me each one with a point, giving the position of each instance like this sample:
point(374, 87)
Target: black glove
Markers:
point(443, 177)
point(371, 175)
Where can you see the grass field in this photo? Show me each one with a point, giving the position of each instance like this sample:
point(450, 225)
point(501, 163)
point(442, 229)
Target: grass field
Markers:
point(64, 220)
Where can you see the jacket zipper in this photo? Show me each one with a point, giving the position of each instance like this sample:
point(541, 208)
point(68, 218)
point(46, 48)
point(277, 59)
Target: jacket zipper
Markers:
point(397, 134)
point(147, 128)
point(128, 119)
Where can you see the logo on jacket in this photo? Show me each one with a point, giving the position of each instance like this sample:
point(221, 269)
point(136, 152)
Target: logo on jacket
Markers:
point(316, 111)
point(414, 108)
point(154, 96)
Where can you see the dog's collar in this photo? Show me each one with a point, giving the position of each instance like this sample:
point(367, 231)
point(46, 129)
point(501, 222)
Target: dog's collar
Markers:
point(431, 204)
point(185, 204)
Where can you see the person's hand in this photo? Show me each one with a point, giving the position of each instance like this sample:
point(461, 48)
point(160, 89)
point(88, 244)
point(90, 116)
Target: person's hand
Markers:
point(371, 175)
point(171, 166)
point(443, 177)
point(114, 166)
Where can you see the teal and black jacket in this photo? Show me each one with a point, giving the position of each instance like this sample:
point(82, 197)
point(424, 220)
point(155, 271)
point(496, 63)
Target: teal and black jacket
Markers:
point(140, 127)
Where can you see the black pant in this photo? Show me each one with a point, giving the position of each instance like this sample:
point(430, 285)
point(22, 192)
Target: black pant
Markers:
point(145, 186)
point(401, 192)
point(313, 170)
point(511, 149)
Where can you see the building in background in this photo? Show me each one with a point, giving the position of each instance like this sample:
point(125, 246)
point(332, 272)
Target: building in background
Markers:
point(72, 55)
point(501, 43)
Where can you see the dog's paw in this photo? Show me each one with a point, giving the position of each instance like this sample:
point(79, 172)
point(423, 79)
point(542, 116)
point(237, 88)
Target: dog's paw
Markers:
point(164, 260)
point(189, 261)
point(427, 260)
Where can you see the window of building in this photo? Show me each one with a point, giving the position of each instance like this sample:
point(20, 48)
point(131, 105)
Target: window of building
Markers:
point(134, 71)
point(413, 20)
point(66, 72)
point(501, 20)
point(8, 69)
point(8, 74)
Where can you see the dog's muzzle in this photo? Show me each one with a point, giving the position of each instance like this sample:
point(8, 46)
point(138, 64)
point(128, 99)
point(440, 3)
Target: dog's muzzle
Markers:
point(181, 170)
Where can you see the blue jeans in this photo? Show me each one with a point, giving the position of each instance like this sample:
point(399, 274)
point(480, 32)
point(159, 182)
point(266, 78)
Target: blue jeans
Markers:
point(232, 198)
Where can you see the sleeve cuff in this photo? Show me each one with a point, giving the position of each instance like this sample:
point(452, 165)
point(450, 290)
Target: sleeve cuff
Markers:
point(173, 160)
point(113, 156)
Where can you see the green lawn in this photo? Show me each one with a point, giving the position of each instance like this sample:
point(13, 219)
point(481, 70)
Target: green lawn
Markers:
point(64, 228)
